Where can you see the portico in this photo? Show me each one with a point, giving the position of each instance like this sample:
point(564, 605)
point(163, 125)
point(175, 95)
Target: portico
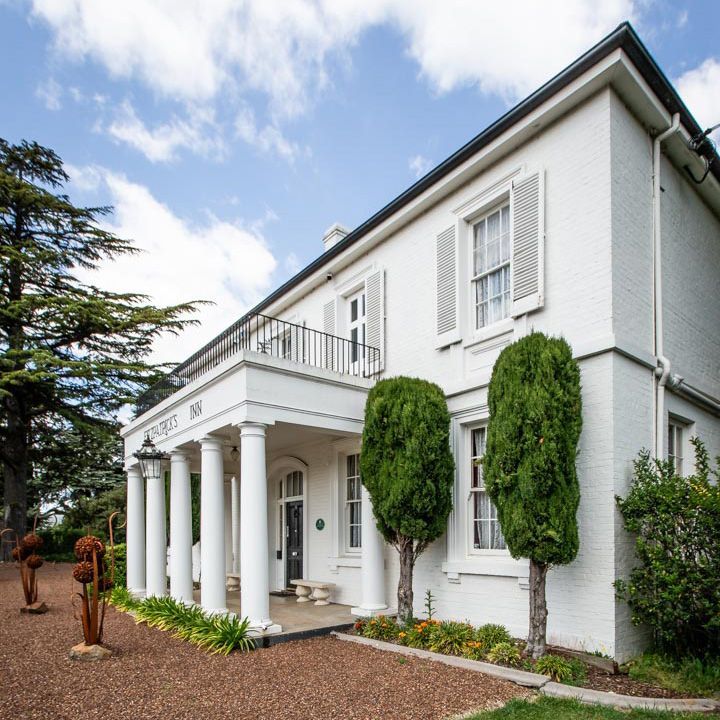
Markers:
point(267, 436)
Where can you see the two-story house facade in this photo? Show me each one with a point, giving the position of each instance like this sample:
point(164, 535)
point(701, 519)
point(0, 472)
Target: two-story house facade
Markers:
point(579, 214)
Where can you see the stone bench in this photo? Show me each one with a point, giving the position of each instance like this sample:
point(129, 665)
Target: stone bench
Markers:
point(320, 591)
point(232, 581)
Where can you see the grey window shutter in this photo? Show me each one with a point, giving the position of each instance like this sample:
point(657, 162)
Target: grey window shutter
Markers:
point(375, 320)
point(447, 288)
point(329, 324)
point(528, 205)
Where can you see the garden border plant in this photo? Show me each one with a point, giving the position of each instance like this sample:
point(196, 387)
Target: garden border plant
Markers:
point(217, 634)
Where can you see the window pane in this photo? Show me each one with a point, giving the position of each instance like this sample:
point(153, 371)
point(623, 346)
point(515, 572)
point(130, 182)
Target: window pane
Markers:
point(479, 263)
point(353, 310)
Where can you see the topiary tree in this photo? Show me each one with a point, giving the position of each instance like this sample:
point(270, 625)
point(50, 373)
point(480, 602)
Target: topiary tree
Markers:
point(529, 463)
point(408, 469)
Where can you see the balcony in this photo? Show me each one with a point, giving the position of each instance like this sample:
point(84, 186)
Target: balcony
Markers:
point(273, 337)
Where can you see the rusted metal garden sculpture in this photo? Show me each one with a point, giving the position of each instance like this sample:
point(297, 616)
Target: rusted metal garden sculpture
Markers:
point(26, 554)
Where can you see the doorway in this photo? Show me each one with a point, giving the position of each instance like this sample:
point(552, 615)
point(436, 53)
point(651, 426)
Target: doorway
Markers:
point(293, 541)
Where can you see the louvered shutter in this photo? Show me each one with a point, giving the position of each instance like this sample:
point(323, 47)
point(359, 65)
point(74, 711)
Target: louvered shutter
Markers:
point(446, 268)
point(528, 205)
point(329, 324)
point(375, 321)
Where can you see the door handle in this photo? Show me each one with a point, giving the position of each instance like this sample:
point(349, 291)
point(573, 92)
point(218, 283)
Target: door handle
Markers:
point(294, 554)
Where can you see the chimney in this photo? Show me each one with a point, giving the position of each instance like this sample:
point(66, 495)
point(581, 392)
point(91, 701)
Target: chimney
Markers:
point(333, 235)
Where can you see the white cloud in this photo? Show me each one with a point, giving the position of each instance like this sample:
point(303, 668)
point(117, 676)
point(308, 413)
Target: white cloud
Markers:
point(197, 51)
point(700, 89)
point(50, 93)
point(419, 165)
point(292, 264)
point(219, 261)
point(162, 142)
point(266, 139)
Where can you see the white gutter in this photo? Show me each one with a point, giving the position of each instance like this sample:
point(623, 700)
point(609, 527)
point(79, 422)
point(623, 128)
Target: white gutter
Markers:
point(663, 370)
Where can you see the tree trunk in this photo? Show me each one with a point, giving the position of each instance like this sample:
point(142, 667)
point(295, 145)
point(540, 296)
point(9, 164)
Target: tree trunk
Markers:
point(538, 610)
point(15, 472)
point(405, 583)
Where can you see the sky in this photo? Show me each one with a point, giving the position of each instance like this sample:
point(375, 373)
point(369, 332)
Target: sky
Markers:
point(230, 134)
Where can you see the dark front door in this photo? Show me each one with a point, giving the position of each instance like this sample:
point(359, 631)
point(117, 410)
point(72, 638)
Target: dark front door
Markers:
point(293, 541)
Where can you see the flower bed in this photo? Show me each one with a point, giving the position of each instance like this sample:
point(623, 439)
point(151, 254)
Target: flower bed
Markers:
point(494, 644)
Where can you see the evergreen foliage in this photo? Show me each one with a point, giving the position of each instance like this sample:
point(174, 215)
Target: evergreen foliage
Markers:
point(408, 469)
point(71, 354)
point(675, 590)
point(529, 465)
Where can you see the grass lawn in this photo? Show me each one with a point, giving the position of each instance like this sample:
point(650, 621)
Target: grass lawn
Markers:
point(545, 708)
point(698, 678)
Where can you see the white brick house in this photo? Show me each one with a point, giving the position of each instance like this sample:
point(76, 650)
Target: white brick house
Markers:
point(549, 219)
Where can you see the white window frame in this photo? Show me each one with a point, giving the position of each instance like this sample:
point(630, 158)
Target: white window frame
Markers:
point(469, 462)
point(507, 265)
point(349, 503)
point(359, 325)
point(677, 442)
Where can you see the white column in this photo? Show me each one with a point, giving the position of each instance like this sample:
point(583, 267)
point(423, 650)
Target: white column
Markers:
point(254, 574)
point(135, 532)
point(212, 527)
point(235, 499)
point(181, 583)
point(228, 528)
point(156, 534)
point(372, 575)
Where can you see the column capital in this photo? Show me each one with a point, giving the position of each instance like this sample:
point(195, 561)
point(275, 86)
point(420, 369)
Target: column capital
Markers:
point(180, 456)
point(250, 429)
point(134, 471)
point(211, 442)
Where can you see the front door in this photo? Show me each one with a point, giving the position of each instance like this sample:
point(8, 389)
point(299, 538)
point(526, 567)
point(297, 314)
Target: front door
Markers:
point(293, 541)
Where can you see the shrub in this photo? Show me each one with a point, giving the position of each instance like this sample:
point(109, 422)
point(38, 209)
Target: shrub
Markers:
point(505, 653)
point(408, 468)
point(560, 669)
point(449, 637)
point(120, 564)
point(381, 628)
point(214, 633)
point(676, 588)
point(529, 462)
point(59, 541)
point(490, 635)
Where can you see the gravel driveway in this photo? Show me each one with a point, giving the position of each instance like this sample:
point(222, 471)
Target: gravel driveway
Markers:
point(152, 675)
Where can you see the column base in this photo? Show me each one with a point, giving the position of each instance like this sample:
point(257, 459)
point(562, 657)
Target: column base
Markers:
point(261, 629)
point(217, 611)
point(372, 611)
point(137, 593)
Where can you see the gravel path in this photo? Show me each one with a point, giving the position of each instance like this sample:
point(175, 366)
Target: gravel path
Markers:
point(152, 675)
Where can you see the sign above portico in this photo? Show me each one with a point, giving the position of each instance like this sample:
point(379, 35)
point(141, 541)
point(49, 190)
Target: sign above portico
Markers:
point(171, 422)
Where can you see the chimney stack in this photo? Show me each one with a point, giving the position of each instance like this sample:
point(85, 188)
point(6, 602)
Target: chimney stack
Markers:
point(333, 235)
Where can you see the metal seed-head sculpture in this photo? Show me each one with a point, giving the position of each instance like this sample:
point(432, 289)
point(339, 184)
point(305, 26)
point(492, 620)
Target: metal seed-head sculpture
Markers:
point(26, 555)
point(90, 573)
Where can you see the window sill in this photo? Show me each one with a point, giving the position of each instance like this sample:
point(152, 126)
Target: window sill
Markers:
point(502, 327)
point(352, 561)
point(493, 565)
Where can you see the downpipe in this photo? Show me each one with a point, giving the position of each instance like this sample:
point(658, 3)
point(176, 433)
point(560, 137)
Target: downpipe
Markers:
point(662, 371)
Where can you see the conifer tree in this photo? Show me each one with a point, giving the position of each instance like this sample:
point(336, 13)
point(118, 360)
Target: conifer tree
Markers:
point(71, 353)
point(408, 469)
point(529, 463)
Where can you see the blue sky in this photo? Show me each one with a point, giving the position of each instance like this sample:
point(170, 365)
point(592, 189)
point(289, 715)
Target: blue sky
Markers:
point(229, 135)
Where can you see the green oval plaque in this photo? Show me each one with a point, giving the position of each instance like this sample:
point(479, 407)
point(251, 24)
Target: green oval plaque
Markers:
point(319, 523)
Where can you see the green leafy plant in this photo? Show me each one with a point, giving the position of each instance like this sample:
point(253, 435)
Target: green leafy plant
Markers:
point(122, 599)
point(381, 628)
point(560, 669)
point(675, 590)
point(449, 637)
point(215, 633)
point(689, 675)
point(474, 650)
point(408, 468)
point(505, 653)
point(529, 462)
point(429, 604)
point(489, 635)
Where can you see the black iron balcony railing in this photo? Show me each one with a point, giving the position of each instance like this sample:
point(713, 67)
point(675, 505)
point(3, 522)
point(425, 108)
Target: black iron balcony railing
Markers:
point(270, 336)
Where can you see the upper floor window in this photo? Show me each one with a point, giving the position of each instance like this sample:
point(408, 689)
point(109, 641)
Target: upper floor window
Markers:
point(675, 445)
point(485, 526)
point(491, 267)
point(353, 504)
point(356, 323)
